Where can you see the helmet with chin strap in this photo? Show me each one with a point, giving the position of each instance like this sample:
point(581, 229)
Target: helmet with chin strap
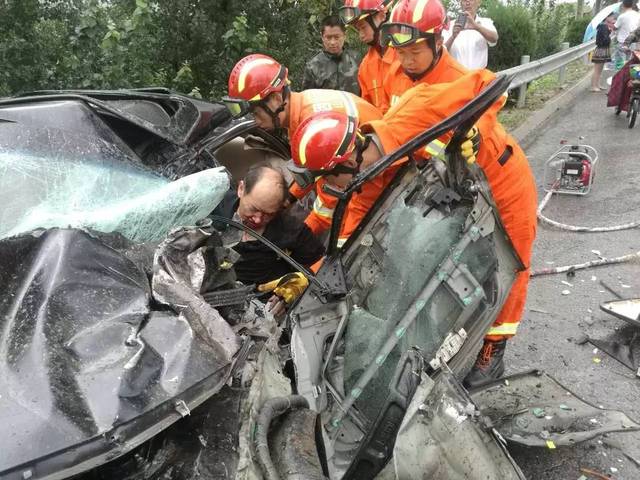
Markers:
point(324, 141)
point(252, 80)
point(355, 10)
point(413, 21)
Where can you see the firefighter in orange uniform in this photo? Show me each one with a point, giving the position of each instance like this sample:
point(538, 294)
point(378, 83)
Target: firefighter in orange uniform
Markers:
point(414, 31)
point(258, 84)
point(366, 16)
point(503, 162)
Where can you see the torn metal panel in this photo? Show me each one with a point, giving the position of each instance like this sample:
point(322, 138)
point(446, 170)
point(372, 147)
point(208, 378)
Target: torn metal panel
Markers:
point(627, 310)
point(187, 262)
point(533, 409)
point(453, 444)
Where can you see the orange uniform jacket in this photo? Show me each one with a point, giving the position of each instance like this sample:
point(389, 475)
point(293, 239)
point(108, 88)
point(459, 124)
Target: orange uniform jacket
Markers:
point(371, 76)
point(502, 160)
point(397, 82)
point(302, 105)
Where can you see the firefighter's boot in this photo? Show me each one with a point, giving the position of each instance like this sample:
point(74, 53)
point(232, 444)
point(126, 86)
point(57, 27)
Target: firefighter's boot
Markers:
point(489, 364)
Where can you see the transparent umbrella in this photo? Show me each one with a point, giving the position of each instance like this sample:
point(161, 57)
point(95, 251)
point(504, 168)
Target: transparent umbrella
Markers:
point(590, 32)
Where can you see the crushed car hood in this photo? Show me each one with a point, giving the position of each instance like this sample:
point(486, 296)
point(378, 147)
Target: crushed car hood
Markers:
point(179, 119)
point(90, 364)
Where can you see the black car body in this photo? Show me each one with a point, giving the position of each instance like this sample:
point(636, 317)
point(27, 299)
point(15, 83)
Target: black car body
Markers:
point(127, 349)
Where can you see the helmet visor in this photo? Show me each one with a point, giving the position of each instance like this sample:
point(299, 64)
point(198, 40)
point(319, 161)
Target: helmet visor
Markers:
point(400, 34)
point(350, 15)
point(237, 106)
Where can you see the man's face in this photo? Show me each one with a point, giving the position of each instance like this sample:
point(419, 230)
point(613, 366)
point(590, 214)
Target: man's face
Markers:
point(333, 40)
point(470, 6)
point(263, 119)
point(365, 32)
point(341, 180)
point(415, 58)
point(258, 207)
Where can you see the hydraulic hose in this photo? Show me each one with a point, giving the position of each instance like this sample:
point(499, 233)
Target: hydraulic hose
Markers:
point(272, 408)
point(572, 228)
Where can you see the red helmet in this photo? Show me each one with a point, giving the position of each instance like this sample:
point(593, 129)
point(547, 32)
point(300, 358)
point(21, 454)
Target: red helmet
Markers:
point(255, 77)
point(355, 10)
point(411, 20)
point(324, 140)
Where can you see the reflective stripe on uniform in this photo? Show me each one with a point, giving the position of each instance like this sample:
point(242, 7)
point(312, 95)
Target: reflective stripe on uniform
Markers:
point(436, 148)
point(319, 208)
point(341, 241)
point(504, 329)
point(349, 105)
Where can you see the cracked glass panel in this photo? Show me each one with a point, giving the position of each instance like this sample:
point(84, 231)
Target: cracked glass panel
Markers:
point(414, 246)
point(52, 178)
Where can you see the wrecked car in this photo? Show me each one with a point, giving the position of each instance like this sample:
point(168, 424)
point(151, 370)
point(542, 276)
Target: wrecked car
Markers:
point(129, 351)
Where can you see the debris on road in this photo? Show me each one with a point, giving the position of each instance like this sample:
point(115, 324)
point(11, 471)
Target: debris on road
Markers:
point(619, 351)
point(566, 292)
point(595, 474)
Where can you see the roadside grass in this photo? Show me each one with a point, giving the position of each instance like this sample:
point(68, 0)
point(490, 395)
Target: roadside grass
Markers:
point(539, 92)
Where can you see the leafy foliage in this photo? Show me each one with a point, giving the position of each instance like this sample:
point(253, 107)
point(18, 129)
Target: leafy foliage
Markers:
point(192, 45)
point(517, 35)
point(575, 30)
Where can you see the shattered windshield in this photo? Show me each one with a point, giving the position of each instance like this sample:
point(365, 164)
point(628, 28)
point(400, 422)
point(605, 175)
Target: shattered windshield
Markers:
point(54, 178)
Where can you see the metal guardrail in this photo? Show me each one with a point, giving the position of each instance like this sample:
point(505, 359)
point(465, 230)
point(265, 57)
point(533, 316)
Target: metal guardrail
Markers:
point(528, 71)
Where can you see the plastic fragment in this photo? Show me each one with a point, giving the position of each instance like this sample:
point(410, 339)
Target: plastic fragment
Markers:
point(597, 360)
point(538, 412)
point(564, 282)
point(566, 292)
point(593, 278)
point(625, 286)
point(551, 445)
point(613, 469)
point(565, 407)
point(596, 252)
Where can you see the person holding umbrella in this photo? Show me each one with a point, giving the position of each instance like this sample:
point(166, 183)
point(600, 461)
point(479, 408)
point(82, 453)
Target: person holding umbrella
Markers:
point(602, 53)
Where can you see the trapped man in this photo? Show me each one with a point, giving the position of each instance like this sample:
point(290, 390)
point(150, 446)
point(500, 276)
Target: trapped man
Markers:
point(334, 67)
point(258, 204)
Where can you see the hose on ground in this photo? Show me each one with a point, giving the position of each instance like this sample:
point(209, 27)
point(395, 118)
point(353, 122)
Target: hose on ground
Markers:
point(593, 263)
point(272, 408)
point(572, 228)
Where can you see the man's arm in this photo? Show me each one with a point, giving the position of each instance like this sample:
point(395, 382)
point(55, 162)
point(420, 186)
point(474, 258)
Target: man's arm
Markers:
point(632, 37)
point(308, 248)
point(488, 31)
point(451, 36)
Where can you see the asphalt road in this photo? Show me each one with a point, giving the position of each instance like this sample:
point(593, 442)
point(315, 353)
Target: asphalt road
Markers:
point(548, 340)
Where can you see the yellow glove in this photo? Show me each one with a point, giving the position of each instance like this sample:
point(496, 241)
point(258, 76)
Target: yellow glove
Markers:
point(469, 148)
point(289, 287)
